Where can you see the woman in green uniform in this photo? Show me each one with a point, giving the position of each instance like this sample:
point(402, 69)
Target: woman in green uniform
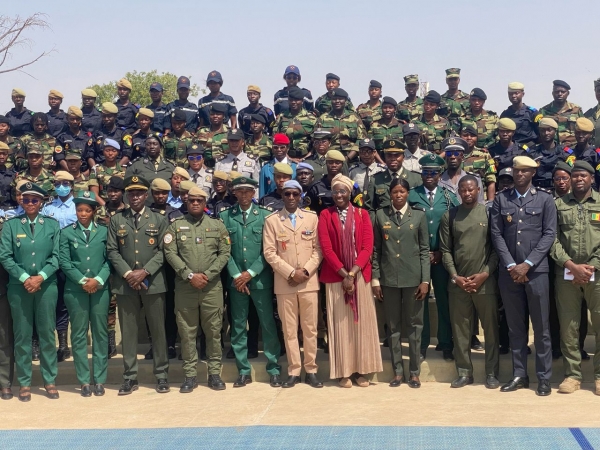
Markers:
point(83, 259)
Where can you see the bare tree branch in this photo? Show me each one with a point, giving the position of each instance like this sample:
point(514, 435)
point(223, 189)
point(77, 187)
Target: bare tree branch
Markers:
point(12, 36)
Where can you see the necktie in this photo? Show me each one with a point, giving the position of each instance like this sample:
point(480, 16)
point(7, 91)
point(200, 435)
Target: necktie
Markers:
point(87, 235)
point(156, 164)
point(244, 214)
point(293, 220)
point(32, 228)
point(136, 217)
point(430, 198)
point(366, 182)
point(398, 216)
point(195, 178)
point(235, 164)
point(521, 198)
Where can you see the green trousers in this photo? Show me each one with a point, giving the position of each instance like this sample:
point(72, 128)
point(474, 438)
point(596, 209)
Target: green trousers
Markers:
point(7, 357)
point(439, 279)
point(89, 311)
point(240, 304)
point(568, 304)
point(204, 306)
point(28, 309)
point(462, 308)
point(129, 307)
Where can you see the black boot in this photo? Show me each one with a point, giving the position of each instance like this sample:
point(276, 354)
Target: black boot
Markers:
point(35, 350)
point(63, 351)
point(112, 344)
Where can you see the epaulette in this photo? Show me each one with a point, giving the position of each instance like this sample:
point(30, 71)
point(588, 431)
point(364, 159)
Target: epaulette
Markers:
point(266, 208)
point(547, 191)
point(308, 210)
point(531, 108)
point(272, 214)
point(251, 156)
point(382, 166)
point(49, 217)
point(473, 174)
point(417, 208)
point(136, 159)
point(162, 212)
point(209, 170)
point(353, 166)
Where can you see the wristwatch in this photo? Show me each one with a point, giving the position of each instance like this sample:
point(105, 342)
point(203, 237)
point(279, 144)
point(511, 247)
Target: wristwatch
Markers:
point(453, 280)
point(190, 275)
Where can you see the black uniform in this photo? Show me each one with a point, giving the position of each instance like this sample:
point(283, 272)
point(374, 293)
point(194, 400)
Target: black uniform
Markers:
point(138, 144)
point(126, 115)
point(57, 123)
point(504, 156)
point(245, 116)
point(92, 119)
point(205, 102)
point(158, 123)
point(96, 149)
point(20, 123)
point(191, 115)
point(82, 141)
point(527, 127)
point(281, 103)
point(547, 160)
point(6, 178)
point(177, 213)
point(590, 155)
point(215, 206)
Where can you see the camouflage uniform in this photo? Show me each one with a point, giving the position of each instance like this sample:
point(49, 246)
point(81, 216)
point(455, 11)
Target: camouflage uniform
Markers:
point(45, 180)
point(346, 130)
point(298, 129)
point(380, 132)
point(100, 176)
point(462, 98)
point(323, 105)
point(81, 183)
point(408, 112)
point(594, 115)
point(565, 118)
point(214, 142)
point(263, 149)
point(485, 124)
point(433, 132)
point(482, 164)
point(175, 148)
point(45, 144)
point(368, 114)
point(15, 146)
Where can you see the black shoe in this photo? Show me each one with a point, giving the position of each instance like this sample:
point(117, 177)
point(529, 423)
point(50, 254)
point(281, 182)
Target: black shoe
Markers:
point(128, 387)
point(162, 386)
point(504, 349)
point(476, 344)
point(35, 350)
point(311, 378)
point(584, 355)
point(203, 357)
point(556, 354)
point(291, 382)
point(252, 355)
point(438, 348)
point(396, 381)
point(63, 351)
point(51, 391)
point(99, 390)
point(215, 383)
point(321, 343)
point(242, 380)
point(86, 390)
point(188, 385)
point(423, 355)
point(149, 355)
point(447, 355)
point(171, 353)
point(386, 344)
point(414, 383)
point(275, 381)
point(6, 394)
point(516, 383)
point(491, 382)
point(230, 353)
point(543, 389)
point(461, 382)
point(112, 344)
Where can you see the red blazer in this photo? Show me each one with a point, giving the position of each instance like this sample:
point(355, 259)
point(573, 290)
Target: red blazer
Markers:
point(330, 230)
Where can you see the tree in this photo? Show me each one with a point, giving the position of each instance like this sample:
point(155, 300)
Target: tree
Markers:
point(140, 82)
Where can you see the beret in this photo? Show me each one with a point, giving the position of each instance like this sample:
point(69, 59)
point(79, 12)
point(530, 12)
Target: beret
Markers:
point(582, 165)
point(136, 182)
point(244, 182)
point(507, 124)
point(220, 175)
point(181, 172)
point(292, 184)
point(561, 165)
point(548, 122)
point(116, 183)
point(283, 168)
point(411, 79)
point(159, 184)
point(4, 119)
point(111, 143)
point(506, 172)
point(124, 83)
point(524, 162)
point(320, 133)
point(433, 97)
point(195, 149)
point(339, 92)
point(561, 83)
point(86, 197)
point(335, 155)
point(63, 175)
point(292, 69)
point(584, 124)
point(18, 91)
point(109, 108)
point(155, 136)
point(477, 92)
point(304, 165)
point(366, 143)
point(179, 115)
point(454, 143)
point(432, 161)
point(235, 134)
point(258, 118)
point(344, 180)
point(4, 146)
point(253, 88)
point(89, 93)
point(393, 146)
point(332, 76)
point(196, 191)
point(55, 93)
point(453, 73)
point(468, 128)
point(218, 107)
point(281, 139)
point(410, 128)
point(146, 112)
point(375, 83)
point(515, 86)
point(186, 185)
point(75, 111)
point(183, 82)
point(33, 189)
point(296, 93)
point(214, 76)
point(156, 87)
point(389, 100)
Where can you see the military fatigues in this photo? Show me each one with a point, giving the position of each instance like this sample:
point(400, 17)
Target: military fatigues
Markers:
point(205, 102)
point(198, 246)
point(45, 180)
point(446, 182)
point(503, 157)
point(191, 115)
point(323, 105)
point(15, 147)
point(100, 176)
point(175, 148)
point(345, 130)
point(526, 119)
point(263, 149)
point(7, 357)
point(298, 129)
point(81, 183)
point(547, 160)
point(245, 117)
point(246, 164)
point(565, 118)
point(380, 131)
point(57, 123)
point(148, 169)
point(485, 124)
point(482, 164)
point(378, 190)
point(126, 115)
point(95, 148)
point(433, 132)
point(45, 144)
point(92, 120)
point(462, 98)
point(281, 103)
point(368, 114)
point(20, 123)
point(214, 142)
point(594, 115)
point(408, 111)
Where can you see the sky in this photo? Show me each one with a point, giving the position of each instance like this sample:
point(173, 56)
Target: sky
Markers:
point(493, 42)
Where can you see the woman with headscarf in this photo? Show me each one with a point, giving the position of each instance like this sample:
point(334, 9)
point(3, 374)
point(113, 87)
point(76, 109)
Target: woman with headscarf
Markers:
point(346, 236)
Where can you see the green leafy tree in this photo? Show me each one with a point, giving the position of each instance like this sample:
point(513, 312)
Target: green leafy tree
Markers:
point(141, 81)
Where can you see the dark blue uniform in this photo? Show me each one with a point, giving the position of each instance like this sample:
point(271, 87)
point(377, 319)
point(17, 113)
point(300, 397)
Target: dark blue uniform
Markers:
point(526, 118)
point(504, 156)
point(20, 123)
point(92, 119)
point(191, 115)
point(205, 102)
point(82, 141)
point(547, 160)
point(138, 145)
point(126, 115)
point(158, 123)
point(524, 229)
point(590, 155)
point(281, 103)
point(244, 118)
point(96, 147)
point(6, 178)
point(319, 197)
point(215, 206)
point(57, 123)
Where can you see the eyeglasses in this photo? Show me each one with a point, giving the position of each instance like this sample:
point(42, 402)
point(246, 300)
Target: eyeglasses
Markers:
point(291, 194)
point(196, 200)
point(366, 150)
point(194, 158)
point(339, 192)
point(455, 153)
point(559, 179)
point(429, 173)
point(33, 201)
point(62, 183)
point(279, 147)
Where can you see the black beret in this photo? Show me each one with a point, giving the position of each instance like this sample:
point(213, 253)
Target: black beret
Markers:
point(296, 93)
point(332, 76)
point(561, 165)
point(157, 136)
point(561, 83)
point(339, 92)
point(375, 83)
point(259, 118)
point(179, 114)
point(389, 100)
point(218, 107)
point(583, 165)
point(477, 92)
point(116, 183)
point(469, 129)
point(433, 97)
point(4, 119)
point(235, 134)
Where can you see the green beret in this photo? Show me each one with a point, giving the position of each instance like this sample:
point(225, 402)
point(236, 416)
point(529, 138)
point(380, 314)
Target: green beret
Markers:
point(393, 146)
point(582, 165)
point(244, 182)
point(561, 165)
point(87, 197)
point(136, 182)
point(33, 189)
point(432, 161)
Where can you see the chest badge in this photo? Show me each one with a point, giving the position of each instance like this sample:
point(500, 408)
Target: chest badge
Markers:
point(509, 218)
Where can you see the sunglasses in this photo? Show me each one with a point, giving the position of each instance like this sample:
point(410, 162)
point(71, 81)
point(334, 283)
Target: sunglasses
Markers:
point(430, 173)
point(196, 200)
point(194, 158)
point(454, 153)
point(291, 194)
point(62, 183)
point(33, 201)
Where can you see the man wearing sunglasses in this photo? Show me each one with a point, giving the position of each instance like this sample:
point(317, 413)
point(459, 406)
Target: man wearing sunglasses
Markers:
point(454, 151)
point(292, 78)
point(199, 173)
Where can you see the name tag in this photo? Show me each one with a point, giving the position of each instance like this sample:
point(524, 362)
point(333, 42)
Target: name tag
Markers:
point(21, 235)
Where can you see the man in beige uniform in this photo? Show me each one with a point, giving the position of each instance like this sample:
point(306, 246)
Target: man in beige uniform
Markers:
point(291, 247)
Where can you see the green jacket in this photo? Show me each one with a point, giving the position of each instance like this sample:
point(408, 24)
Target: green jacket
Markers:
point(298, 129)
point(131, 248)
point(79, 259)
point(565, 118)
point(247, 245)
point(345, 131)
point(24, 255)
point(143, 167)
point(378, 192)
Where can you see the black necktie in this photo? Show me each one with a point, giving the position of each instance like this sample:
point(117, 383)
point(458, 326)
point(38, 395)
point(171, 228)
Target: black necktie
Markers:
point(398, 216)
point(244, 214)
point(235, 165)
point(87, 235)
point(195, 178)
point(136, 218)
point(32, 227)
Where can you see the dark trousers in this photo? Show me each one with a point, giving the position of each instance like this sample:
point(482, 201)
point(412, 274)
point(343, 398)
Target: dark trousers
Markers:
point(522, 301)
point(439, 279)
point(62, 315)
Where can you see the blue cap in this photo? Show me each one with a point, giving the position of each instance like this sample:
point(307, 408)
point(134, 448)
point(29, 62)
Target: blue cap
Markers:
point(292, 184)
point(156, 87)
point(304, 165)
point(214, 76)
point(111, 143)
point(292, 69)
point(183, 82)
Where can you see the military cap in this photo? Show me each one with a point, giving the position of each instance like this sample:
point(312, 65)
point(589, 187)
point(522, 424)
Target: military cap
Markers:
point(562, 84)
point(87, 197)
point(180, 171)
point(283, 168)
point(515, 86)
point(596, 83)
point(433, 97)
point(20, 183)
point(4, 146)
point(292, 184)
point(561, 165)
point(195, 149)
point(34, 150)
point(389, 100)
point(253, 88)
point(524, 162)
point(33, 189)
point(548, 122)
point(55, 93)
point(116, 183)
point(75, 111)
point(469, 129)
point(582, 165)
point(111, 143)
point(291, 69)
point(4, 119)
point(109, 108)
point(146, 112)
point(366, 143)
point(178, 115)
point(584, 124)
point(411, 79)
point(432, 161)
point(507, 124)
point(453, 73)
point(136, 182)
point(305, 166)
point(506, 172)
point(454, 143)
point(214, 76)
point(339, 92)
point(196, 191)
point(186, 185)
point(18, 91)
point(393, 146)
point(410, 128)
point(296, 93)
point(244, 182)
point(375, 83)
point(320, 133)
point(89, 93)
point(258, 118)
point(235, 134)
point(156, 136)
point(281, 139)
point(477, 92)
point(334, 155)
point(220, 175)
point(332, 76)
point(183, 82)
point(218, 107)
point(233, 175)
point(156, 87)
point(124, 83)
point(73, 153)
point(159, 184)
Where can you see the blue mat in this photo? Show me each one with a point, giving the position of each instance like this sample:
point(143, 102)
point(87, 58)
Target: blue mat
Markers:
point(287, 437)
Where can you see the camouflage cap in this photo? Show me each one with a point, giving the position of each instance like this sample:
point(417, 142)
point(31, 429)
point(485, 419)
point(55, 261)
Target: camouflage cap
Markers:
point(34, 148)
point(584, 124)
point(453, 73)
point(73, 153)
point(411, 79)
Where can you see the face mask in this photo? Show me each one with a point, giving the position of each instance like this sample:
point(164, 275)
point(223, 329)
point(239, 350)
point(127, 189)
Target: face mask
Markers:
point(63, 191)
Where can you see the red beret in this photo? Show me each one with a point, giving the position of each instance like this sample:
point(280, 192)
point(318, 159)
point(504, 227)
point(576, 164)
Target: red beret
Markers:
point(281, 139)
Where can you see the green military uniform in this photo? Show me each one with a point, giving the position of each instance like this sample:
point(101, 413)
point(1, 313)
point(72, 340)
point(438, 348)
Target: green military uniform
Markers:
point(318, 163)
point(577, 240)
point(378, 192)
point(263, 149)
point(345, 130)
point(409, 111)
point(25, 254)
point(133, 247)
point(15, 148)
point(480, 163)
point(594, 115)
point(7, 357)
point(380, 132)
point(298, 129)
point(247, 255)
point(323, 104)
point(485, 124)
point(198, 246)
point(368, 114)
point(45, 180)
point(466, 245)
point(433, 132)
point(175, 148)
point(565, 118)
point(80, 258)
point(460, 98)
point(81, 184)
point(100, 176)
point(399, 244)
point(45, 145)
point(149, 170)
point(214, 142)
